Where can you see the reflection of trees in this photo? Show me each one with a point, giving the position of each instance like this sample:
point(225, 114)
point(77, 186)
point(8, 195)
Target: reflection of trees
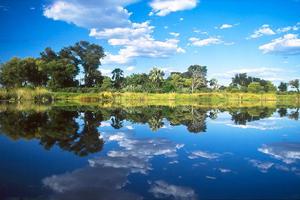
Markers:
point(294, 114)
point(156, 122)
point(55, 127)
point(244, 115)
point(282, 112)
point(117, 118)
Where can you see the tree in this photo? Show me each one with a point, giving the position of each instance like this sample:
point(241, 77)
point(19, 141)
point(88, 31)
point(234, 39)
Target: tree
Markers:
point(89, 56)
point(241, 80)
point(22, 72)
point(269, 87)
point(198, 74)
point(107, 84)
point(255, 87)
point(283, 87)
point(61, 73)
point(177, 81)
point(61, 68)
point(295, 84)
point(11, 74)
point(156, 76)
point(117, 77)
point(214, 83)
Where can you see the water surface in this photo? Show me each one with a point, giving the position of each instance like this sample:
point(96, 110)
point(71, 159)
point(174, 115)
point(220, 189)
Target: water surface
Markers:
point(155, 152)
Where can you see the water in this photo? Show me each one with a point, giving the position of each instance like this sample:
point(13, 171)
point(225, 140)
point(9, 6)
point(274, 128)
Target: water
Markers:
point(149, 153)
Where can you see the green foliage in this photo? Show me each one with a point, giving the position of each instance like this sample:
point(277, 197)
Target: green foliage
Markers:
point(89, 56)
point(117, 78)
point(156, 76)
point(107, 84)
point(283, 87)
point(295, 84)
point(255, 87)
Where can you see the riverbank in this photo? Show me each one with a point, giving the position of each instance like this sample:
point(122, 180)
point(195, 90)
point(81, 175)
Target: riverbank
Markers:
point(41, 95)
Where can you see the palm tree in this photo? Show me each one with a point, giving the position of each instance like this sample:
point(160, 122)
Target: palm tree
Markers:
point(156, 76)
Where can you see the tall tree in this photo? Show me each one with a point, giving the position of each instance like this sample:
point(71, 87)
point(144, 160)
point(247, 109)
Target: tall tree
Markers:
point(61, 68)
point(156, 76)
point(11, 74)
point(295, 84)
point(117, 77)
point(89, 57)
point(198, 74)
point(283, 87)
point(213, 83)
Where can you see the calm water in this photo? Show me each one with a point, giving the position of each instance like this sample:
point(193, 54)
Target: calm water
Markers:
point(149, 153)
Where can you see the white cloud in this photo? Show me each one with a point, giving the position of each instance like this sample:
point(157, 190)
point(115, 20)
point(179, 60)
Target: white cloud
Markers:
point(289, 44)
point(165, 7)
point(205, 42)
point(105, 72)
point(130, 68)
point(90, 13)
point(136, 41)
point(263, 30)
point(289, 28)
point(225, 26)
point(162, 190)
point(174, 34)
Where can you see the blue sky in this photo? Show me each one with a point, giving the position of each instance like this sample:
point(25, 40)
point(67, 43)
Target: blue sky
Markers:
point(229, 36)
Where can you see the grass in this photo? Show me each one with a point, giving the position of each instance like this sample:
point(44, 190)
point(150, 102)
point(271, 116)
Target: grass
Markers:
point(42, 95)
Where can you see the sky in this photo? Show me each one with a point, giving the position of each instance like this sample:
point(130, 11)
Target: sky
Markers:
point(257, 37)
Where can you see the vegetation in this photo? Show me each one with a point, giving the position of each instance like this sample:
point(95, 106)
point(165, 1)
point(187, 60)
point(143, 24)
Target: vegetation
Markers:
point(58, 72)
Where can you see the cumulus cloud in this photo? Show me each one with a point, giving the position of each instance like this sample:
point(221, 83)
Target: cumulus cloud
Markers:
point(289, 44)
point(91, 13)
point(289, 28)
point(162, 190)
point(136, 41)
point(226, 26)
point(263, 30)
point(165, 7)
point(205, 42)
point(110, 20)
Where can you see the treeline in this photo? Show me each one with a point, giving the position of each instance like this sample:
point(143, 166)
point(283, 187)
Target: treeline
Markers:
point(59, 71)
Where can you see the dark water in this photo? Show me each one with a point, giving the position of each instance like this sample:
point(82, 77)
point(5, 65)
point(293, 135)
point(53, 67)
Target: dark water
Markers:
point(149, 153)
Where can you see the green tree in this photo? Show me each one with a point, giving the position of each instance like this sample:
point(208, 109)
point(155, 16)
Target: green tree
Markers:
point(177, 81)
point(61, 74)
point(61, 68)
point(198, 74)
point(107, 84)
point(295, 84)
point(255, 87)
point(269, 87)
point(89, 56)
point(117, 78)
point(156, 76)
point(283, 87)
point(213, 83)
point(22, 72)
